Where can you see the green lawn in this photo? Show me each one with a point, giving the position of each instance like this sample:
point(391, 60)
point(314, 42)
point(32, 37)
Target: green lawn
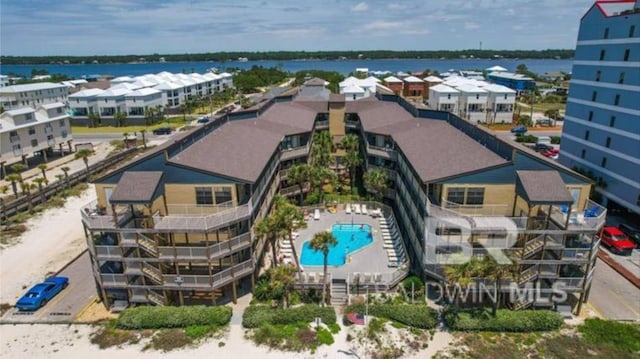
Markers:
point(541, 107)
point(173, 122)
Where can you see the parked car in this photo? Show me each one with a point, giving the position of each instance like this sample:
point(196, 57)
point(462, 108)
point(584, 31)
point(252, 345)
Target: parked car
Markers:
point(162, 131)
point(542, 147)
point(42, 293)
point(519, 130)
point(616, 241)
point(632, 232)
point(545, 140)
point(203, 119)
point(545, 122)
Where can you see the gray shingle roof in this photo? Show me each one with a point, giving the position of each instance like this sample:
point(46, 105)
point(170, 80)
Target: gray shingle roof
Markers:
point(438, 150)
point(538, 187)
point(136, 186)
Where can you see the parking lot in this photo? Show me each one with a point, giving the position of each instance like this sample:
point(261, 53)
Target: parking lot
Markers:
point(612, 296)
point(67, 304)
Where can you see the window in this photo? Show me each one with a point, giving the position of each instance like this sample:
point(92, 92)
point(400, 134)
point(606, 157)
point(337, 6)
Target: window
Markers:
point(602, 53)
point(621, 78)
point(204, 196)
point(632, 30)
point(59, 110)
point(223, 195)
point(612, 121)
point(17, 149)
point(590, 118)
point(28, 116)
point(61, 123)
point(455, 196)
point(586, 135)
point(34, 143)
point(616, 100)
point(449, 96)
point(626, 55)
point(583, 153)
point(64, 134)
point(505, 96)
point(608, 143)
point(477, 96)
point(32, 130)
point(606, 33)
point(475, 196)
point(598, 73)
point(604, 162)
point(594, 95)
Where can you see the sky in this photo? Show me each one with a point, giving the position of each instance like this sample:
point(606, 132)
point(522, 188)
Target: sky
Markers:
point(117, 27)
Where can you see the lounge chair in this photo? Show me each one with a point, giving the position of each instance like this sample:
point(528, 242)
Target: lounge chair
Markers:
point(285, 244)
point(356, 208)
point(377, 277)
point(367, 278)
point(311, 277)
point(347, 208)
point(388, 245)
point(364, 209)
point(375, 212)
point(316, 214)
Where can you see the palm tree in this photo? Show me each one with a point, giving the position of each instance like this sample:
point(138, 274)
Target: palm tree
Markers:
point(43, 169)
point(59, 178)
point(66, 170)
point(84, 154)
point(143, 132)
point(18, 168)
point(40, 181)
point(319, 176)
point(495, 271)
point(149, 114)
point(14, 178)
point(321, 149)
point(289, 218)
point(26, 190)
point(3, 191)
point(375, 180)
point(120, 118)
point(282, 281)
point(321, 242)
point(268, 227)
point(352, 160)
point(94, 119)
point(461, 275)
point(552, 114)
point(299, 174)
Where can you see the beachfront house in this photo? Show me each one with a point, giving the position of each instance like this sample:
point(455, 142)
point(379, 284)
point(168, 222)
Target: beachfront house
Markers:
point(443, 98)
point(33, 95)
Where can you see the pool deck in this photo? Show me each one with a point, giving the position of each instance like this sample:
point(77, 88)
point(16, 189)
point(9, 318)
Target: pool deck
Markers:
point(371, 259)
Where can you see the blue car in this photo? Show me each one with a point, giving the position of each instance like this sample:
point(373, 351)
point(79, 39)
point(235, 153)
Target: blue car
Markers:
point(42, 293)
point(519, 130)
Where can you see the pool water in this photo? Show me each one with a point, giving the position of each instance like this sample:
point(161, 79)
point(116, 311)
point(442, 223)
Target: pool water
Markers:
point(350, 237)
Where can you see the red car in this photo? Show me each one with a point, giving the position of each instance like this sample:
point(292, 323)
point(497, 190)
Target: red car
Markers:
point(617, 241)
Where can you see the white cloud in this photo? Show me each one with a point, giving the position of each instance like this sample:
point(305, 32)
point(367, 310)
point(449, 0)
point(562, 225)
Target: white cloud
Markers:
point(416, 32)
point(383, 25)
point(469, 25)
point(517, 27)
point(360, 7)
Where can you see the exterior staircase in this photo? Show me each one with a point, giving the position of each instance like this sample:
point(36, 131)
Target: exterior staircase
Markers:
point(339, 294)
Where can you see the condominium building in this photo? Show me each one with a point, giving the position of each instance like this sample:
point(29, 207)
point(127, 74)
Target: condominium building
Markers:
point(27, 131)
point(518, 82)
point(601, 133)
point(133, 96)
point(33, 95)
point(176, 226)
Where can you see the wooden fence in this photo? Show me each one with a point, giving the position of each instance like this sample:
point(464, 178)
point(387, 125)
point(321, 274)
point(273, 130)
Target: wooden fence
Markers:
point(21, 203)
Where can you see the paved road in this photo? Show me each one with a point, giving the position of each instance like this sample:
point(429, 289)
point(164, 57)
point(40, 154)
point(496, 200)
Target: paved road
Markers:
point(612, 296)
point(69, 303)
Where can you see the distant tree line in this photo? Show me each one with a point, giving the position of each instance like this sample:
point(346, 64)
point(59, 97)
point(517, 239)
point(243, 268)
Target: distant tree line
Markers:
point(297, 55)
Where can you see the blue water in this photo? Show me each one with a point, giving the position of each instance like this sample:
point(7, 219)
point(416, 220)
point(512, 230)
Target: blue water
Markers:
point(351, 237)
point(343, 67)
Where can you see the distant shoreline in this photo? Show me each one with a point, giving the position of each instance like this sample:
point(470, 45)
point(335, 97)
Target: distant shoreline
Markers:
point(558, 54)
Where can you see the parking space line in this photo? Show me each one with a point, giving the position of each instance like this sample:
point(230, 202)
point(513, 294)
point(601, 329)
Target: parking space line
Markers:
point(624, 302)
point(93, 299)
point(598, 313)
point(55, 301)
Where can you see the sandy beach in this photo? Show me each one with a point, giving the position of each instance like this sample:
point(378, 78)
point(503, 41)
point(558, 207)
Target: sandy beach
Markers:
point(54, 238)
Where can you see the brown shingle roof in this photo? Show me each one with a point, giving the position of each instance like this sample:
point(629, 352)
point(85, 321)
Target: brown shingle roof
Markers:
point(239, 149)
point(374, 115)
point(438, 150)
point(538, 187)
point(295, 117)
point(136, 186)
point(315, 106)
point(336, 97)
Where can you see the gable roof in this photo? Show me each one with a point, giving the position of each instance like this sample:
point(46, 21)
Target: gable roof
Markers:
point(542, 187)
point(136, 187)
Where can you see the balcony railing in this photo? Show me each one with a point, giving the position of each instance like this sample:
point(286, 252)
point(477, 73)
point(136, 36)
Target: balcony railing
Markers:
point(295, 189)
point(214, 251)
point(593, 216)
point(296, 152)
point(108, 252)
point(382, 152)
point(97, 220)
point(217, 280)
point(113, 280)
point(186, 223)
point(14, 139)
point(479, 209)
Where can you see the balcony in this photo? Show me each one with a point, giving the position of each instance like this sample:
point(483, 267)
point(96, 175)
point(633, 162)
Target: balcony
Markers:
point(382, 152)
point(217, 280)
point(291, 153)
point(96, 219)
point(200, 223)
point(295, 189)
point(211, 252)
point(14, 139)
point(592, 217)
point(113, 280)
point(479, 209)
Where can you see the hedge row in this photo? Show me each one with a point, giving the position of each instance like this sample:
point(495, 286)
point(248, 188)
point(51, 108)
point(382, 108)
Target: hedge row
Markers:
point(505, 321)
point(256, 315)
point(149, 317)
point(415, 315)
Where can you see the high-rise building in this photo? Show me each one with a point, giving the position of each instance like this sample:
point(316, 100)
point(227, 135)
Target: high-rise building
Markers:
point(601, 134)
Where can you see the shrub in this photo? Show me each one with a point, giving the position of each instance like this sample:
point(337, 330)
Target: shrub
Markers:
point(173, 317)
point(256, 315)
point(555, 140)
point(324, 336)
point(170, 340)
point(414, 315)
point(623, 336)
point(334, 328)
point(415, 282)
point(527, 139)
point(505, 321)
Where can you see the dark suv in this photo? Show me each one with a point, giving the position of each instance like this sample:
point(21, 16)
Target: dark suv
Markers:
point(162, 131)
point(632, 232)
point(542, 147)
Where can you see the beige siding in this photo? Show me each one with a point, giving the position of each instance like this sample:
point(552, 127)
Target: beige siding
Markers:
point(185, 194)
point(498, 198)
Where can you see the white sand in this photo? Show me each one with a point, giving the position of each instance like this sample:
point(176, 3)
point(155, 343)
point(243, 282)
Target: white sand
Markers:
point(53, 239)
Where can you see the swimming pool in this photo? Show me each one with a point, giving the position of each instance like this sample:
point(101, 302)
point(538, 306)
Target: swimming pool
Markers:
point(351, 238)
